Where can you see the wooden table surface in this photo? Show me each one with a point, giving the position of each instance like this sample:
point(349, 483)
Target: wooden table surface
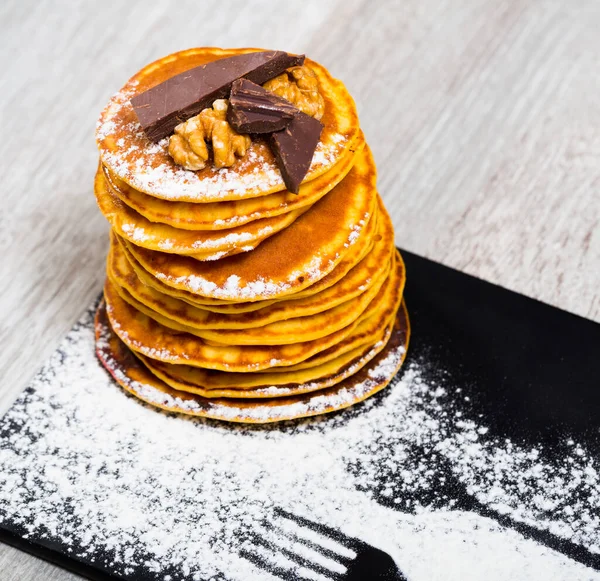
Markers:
point(484, 118)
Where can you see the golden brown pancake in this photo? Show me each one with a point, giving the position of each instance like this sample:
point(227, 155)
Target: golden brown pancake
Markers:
point(143, 334)
point(264, 385)
point(231, 214)
point(365, 274)
point(126, 152)
point(129, 372)
point(132, 226)
point(284, 332)
point(147, 278)
point(380, 233)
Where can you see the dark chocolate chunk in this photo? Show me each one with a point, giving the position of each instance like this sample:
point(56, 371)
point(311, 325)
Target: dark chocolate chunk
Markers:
point(253, 109)
point(163, 107)
point(294, 147)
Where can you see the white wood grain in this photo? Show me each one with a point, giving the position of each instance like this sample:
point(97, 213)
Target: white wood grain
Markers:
point(483, 115)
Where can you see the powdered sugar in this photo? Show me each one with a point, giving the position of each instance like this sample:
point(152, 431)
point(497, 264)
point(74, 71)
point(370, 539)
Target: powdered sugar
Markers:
point(136, 233)
point(150, 238)
point(230, 290)
point(356, 230)
point(142, 491)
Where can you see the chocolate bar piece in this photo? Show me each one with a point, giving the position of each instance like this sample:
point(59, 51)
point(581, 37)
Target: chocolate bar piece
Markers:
point(253, 109)
point(294, 147)
point(163, 107)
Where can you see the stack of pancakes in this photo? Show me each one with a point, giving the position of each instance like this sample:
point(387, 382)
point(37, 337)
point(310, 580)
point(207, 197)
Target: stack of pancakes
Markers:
point(229, 297)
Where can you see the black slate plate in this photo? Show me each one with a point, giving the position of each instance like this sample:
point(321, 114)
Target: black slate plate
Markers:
point(538, 365)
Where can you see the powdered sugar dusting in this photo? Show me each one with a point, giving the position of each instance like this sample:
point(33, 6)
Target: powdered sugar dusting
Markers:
point(176, 499)
point(230, 290)
point(149, 237)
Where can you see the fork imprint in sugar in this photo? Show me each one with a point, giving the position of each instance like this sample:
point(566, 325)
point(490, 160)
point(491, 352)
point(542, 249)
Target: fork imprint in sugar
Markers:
point(293, 545)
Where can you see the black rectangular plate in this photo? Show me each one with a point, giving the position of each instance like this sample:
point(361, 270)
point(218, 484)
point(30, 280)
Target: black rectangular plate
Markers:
point(538, 366)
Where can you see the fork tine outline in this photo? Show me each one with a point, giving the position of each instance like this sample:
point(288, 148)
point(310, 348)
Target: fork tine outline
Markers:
point(269, 567)
point(325, 551)
point(301, 560)
point(348, 542)
point(283, 573)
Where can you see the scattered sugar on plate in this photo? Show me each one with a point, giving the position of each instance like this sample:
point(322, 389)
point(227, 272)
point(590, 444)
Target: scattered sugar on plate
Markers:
point(138, 490)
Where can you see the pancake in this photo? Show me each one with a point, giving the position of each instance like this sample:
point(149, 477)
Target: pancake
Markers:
point(132, 226)
point(147, 167)
point(231, 214)
point(143, 334)
point(263, 386)
point(148, 279)
point(287, 263)
point(135, 378)
point(284, 332)
point(359, 279)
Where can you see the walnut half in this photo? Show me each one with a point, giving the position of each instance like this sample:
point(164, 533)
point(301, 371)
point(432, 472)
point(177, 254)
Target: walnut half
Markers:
point(300, 86)
point(187, 146)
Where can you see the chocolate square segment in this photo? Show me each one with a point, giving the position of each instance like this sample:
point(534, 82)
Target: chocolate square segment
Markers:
point(294, 148)
point(161, 108)
point(253, 109)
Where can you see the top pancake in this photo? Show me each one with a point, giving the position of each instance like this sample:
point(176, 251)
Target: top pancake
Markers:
point(234, 213)
point(126, 151)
